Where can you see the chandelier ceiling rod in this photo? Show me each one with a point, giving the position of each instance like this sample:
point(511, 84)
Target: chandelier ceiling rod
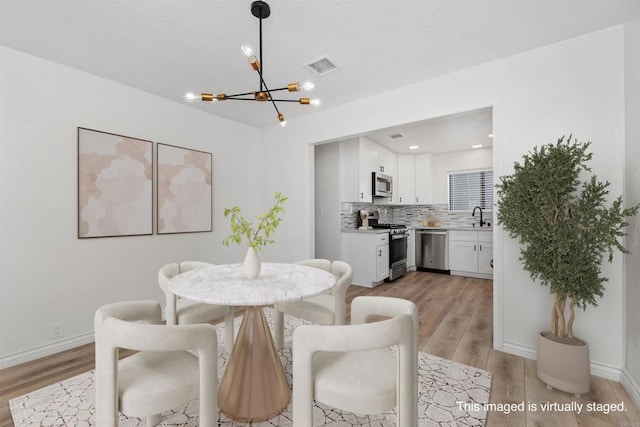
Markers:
point(260, 10)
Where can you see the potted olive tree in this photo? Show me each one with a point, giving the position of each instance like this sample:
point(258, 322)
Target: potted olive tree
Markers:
point(566, 227)
point(256, 237)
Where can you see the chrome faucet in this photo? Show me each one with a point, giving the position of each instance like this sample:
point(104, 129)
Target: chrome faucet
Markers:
point(474, 214)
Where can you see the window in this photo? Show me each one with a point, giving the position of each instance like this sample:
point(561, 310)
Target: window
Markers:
point(470, 189)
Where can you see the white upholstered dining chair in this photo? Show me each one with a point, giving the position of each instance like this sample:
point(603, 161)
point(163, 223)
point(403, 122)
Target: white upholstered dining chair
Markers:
point(351, 368)
point(162, 375)
point(328, 308)
point(182, 311)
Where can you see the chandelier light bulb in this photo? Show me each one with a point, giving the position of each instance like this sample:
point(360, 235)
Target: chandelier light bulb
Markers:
point(315, 102)
point(191, 97)
point(307, 86)
point(255, 64)
point(283, 122)
point(247, 50)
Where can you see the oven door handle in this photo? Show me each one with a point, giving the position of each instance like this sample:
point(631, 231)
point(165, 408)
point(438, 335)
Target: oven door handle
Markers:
point(398, 236)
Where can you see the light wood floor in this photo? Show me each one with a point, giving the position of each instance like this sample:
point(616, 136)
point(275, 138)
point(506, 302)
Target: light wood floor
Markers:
point(455, 323)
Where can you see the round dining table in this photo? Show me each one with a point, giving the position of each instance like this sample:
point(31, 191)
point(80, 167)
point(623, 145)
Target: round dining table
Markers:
point(254, 386)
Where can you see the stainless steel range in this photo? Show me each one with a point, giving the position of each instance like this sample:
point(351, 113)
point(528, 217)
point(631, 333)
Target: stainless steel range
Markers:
point(398, 241)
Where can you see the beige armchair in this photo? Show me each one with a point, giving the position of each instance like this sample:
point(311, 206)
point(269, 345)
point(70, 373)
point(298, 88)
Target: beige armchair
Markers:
point(351, 368)
point(329, 308)
point(163, 374)
point(181, 311)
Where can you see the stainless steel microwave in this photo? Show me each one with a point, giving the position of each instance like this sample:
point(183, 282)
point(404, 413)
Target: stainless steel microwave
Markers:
point(381, 184)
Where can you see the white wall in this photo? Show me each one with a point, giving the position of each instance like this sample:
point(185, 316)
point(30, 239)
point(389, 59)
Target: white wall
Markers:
point(443, 163)
point(631, 373)
point(49, 275)
point(327, 201)
point(576, 86)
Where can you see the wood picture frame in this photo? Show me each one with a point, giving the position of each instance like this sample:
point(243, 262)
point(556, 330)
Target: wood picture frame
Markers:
point(184, 190)
point(115, 185)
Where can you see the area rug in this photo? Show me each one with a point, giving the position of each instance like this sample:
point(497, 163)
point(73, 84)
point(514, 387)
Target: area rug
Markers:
point(443, 386)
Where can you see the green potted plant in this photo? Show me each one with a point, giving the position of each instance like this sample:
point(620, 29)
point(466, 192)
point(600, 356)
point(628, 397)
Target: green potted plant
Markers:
point(565, 226)
point(257, 237)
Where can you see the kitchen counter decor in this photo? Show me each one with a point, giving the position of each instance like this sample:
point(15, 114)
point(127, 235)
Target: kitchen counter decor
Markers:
point(257, 237)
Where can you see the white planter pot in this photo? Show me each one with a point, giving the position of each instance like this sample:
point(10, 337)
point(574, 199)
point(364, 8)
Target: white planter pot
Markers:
point(564, 366)
point(251, 264)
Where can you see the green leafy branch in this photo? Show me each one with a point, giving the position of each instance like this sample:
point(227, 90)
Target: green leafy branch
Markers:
point(565, 225)
point(243, 229)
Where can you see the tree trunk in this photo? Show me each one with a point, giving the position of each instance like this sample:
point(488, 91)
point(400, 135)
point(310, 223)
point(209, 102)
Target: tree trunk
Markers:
point(559, 305)
point(572, 316)
point(554, 317)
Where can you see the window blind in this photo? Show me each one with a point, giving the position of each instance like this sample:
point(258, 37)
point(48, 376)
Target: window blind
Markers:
point(470, 189)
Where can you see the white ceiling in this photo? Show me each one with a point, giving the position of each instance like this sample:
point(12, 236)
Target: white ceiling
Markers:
point(454, 132)
point(168, 47)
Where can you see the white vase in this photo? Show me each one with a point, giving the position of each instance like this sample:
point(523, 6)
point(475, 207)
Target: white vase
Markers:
point(251, 264)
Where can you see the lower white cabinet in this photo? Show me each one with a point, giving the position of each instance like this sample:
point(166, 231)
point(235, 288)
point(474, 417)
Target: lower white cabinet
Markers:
point(471, 253)
point(411, 250)
point(382, 262)
point(368, 256)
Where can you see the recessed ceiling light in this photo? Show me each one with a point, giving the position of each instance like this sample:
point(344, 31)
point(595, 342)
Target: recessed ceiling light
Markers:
point(490, 135)
point(477, 146)
point(414, 147)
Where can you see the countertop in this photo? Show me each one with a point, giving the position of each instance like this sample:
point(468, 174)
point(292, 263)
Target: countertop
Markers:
point(367, 231)
point(386, 230)
point(457, 228)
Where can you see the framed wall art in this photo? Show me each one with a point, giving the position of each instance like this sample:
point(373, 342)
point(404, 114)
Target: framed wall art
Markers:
point(184, 190)
point(115, 189)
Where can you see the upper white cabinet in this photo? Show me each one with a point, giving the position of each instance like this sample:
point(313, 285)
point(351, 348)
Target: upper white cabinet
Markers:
point(355, 172)
point(359, 157)
point(424, 179)
point(382, 159)
point(414, 179)
point(406, 187)
point(365, 191)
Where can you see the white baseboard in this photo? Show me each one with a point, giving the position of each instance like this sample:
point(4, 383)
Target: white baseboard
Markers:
point(470, 274)
point(520, 350)
point(599, 369)
point(632, 387)
point(45, 350)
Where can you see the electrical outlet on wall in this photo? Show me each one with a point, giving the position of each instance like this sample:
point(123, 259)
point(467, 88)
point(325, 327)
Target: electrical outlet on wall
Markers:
point(57, 330)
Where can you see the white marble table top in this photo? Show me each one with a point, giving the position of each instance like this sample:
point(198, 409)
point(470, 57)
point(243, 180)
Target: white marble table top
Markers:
point(228, 285)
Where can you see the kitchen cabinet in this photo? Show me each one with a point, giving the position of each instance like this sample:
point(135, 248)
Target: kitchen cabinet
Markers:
point(406, 180)
point(471, 253)
point(423, 179)
point(355, 182)
point(382, 262)
point(364, 170)
point(382, 159)
point(414, 179)
point(388, 161)
point(411, 250)
point(355, 170)
point(368, 256)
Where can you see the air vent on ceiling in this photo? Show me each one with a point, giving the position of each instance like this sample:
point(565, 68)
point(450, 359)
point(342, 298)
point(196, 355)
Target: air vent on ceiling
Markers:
point(322, 65)
point(396, 136)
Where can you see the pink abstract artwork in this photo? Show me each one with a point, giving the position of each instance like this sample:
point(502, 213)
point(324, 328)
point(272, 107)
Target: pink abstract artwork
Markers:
point(115, 195)
point(184, 190)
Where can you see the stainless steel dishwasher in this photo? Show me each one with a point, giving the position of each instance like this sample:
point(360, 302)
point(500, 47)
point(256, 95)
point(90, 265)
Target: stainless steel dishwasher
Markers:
point(432, 252)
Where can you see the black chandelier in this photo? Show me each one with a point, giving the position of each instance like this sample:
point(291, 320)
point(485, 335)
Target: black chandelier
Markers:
point(260, 10)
